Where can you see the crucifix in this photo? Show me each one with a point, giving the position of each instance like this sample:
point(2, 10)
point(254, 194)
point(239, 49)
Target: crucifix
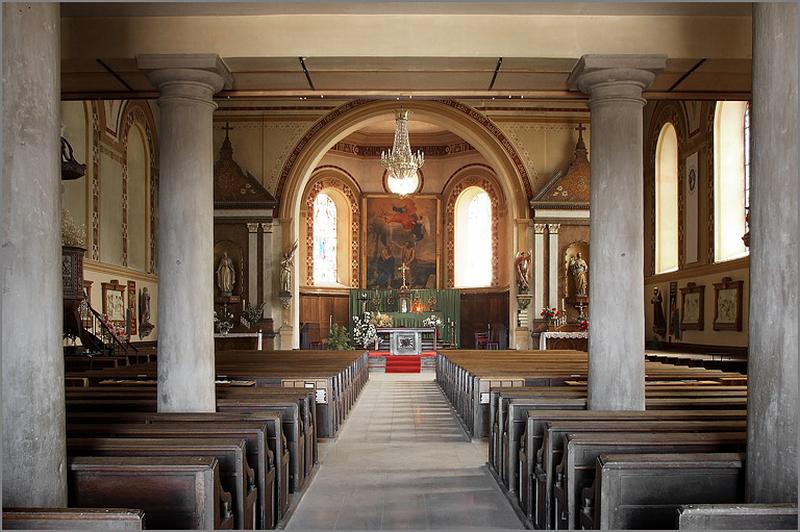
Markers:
point(580, 129)
point(403, 269)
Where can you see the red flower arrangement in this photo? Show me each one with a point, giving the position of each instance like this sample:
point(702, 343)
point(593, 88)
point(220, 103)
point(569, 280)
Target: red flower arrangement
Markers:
point(583, 325)
point(549, 313)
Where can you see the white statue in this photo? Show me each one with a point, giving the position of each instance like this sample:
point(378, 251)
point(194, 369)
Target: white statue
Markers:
point(522, 264)
point(580, 274)
point(226, 275)
point(287, 262)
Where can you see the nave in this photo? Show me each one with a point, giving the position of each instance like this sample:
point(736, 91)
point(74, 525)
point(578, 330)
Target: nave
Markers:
point(403, 461)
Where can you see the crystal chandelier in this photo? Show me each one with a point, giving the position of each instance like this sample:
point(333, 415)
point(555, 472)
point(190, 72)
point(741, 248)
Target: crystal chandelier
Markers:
point(402, 165)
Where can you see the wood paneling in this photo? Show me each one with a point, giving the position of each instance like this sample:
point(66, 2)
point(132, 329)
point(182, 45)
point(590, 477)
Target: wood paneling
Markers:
point(319, 309)
point(480, 309)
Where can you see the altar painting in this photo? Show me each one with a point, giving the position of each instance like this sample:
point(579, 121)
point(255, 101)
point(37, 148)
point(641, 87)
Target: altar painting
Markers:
point(401, 231)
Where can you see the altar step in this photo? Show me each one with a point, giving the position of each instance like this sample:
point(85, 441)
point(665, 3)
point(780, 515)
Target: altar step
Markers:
point(403, 364)
point(377, 360)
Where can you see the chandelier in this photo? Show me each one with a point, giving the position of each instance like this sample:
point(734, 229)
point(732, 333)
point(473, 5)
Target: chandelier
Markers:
point(402, 165)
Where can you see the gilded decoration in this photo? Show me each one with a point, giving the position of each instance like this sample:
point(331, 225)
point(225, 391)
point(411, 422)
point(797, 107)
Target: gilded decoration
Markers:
point(495, 198)
point(572, 186)
point(355, 226)
point(478, 117)
point(234, 187)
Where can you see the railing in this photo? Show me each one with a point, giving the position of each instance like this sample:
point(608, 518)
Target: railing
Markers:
point(99, 337)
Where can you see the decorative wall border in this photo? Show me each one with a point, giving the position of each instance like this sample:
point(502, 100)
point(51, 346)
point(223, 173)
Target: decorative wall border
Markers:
point(496, 199)
point(672, 112)
point(95, 184)
point(136, 111)
point(321, 181)
point(470, 112)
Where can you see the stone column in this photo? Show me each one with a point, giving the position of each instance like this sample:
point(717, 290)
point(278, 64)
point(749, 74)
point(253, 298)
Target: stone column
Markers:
point(252, 263)
point(266, 282)
point(614, 84)
point(538, 267)
point(34, 444)
point(552, 273)
point(772, 365)
point(187, 83)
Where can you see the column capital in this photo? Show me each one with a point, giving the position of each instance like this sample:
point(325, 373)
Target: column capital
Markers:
point(252, 227)
point(553, 228)
point(186, 76)
point(617, 77)
point(266, 227)
point(539, 228)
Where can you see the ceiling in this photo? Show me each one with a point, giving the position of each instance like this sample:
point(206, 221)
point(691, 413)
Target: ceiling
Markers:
point(313, 49)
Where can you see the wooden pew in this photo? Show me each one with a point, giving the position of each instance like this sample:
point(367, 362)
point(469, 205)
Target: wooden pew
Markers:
point(236, 476)
point(276, 442)
point(72, 519)
point(581, 451)
point(643, 491)
point(254, 433)
point(555, 433)
point(737, 516)
point(174, 492)
point(537, 421)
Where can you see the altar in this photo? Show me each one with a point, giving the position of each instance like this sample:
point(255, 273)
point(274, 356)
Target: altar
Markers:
point(411, 310)
point(406, 340)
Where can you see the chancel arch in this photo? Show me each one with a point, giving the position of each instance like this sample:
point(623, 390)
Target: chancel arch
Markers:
point(510, 179)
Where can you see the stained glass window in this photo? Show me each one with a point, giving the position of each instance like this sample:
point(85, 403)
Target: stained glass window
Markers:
point(324, 239)
point(473, 239)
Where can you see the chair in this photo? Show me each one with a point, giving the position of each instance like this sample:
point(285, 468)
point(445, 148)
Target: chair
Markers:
point(481, 340)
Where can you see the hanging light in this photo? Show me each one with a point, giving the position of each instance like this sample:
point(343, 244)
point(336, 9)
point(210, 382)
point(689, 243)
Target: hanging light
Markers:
point(402, 165)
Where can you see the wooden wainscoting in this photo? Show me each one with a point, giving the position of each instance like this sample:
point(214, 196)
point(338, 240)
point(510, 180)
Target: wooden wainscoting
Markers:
point(316, 309)
point(479, 309)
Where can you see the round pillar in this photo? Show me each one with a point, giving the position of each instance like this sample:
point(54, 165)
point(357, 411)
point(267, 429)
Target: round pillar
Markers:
point(186, 228)
point(616, 275)
point(772, 360)
point(34, 444)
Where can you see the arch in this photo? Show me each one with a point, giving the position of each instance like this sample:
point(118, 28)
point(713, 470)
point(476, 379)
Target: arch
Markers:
point(730, 180)
point(666, 205)
point(464, 121)
point(345, 188)
point(137, 113)
point(472, 175)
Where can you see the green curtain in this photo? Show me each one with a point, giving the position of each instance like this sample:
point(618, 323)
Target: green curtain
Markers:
point(447, 306)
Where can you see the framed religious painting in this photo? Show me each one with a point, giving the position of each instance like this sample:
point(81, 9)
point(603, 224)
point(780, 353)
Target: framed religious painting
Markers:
point(402, 237)
point(692, 307)
point(728, 305)
point(114, 302)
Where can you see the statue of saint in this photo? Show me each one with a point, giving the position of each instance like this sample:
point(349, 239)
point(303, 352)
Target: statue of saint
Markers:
point(522, 264)
point(226, 275)
point(287, 263)
point(145, 327)
point(580, 274)
point(659, 321)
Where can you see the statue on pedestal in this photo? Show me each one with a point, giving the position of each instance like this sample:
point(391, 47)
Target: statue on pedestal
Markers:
point(580, 275)
point(522, 264)
point(226, 275)
point(659, 321)
point(287, 263)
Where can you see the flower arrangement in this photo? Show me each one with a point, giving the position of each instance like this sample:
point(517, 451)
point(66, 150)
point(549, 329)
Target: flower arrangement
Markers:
point(338, 338)
point(364, 333)
point(224, 323)
point(432, 321)
point(72, 234)
point(583, 324)
point(253, 313)
point(381, 320)
point(549, 313)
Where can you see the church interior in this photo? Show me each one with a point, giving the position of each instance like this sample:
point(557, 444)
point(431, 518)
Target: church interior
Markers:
point(392, 265)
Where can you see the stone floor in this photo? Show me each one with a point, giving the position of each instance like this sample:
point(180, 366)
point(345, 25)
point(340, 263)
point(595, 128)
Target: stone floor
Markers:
point(402, 461)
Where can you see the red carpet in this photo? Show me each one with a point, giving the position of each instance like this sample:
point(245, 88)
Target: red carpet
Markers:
point(425, 354)
point(403, 364)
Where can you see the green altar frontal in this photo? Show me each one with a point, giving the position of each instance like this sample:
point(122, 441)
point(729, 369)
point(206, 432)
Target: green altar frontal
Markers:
point(446, 304)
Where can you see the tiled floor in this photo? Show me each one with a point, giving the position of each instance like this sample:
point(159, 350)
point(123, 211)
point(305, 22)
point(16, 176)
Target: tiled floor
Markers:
point(402, 461)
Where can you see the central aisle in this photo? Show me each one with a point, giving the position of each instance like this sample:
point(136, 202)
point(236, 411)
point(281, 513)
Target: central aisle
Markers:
point(402, 461)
